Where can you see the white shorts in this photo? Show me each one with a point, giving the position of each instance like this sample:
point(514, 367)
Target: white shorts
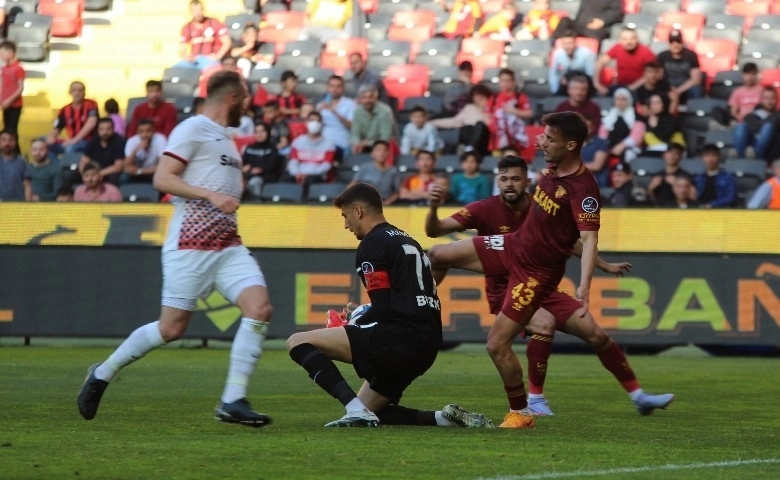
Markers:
point(192, 274)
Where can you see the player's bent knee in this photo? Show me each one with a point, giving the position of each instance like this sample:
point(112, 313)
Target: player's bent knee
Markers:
point(294, 340)
point(258, 311)
point(172, 331)
point(435, 255)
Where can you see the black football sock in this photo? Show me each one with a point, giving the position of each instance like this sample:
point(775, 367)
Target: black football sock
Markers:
point(397, 415)
point(323, 371)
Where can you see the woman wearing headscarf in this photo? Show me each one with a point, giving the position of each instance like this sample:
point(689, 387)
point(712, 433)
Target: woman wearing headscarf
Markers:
point(621, 127)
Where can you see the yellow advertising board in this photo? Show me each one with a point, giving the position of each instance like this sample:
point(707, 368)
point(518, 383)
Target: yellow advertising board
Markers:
point(321, 227)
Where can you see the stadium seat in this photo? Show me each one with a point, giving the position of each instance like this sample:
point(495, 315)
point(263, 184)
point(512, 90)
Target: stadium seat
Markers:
point(569, 6)
point(724, 83)
point(384, 53)
point(236, 24)
point(750, 174)
point(354, 161)
point(720, 138)
point(312, 81)
point(697, 115)
point(403, 90)
point(406, 163)
point(639, 19)
point(269, 78)
point(679, 20)
point(32, 42)
point(282, 193)
point(631, 6)
point(451, 138)
point(324, 192)
point(368, 7)
point(414, 26)
point(432, 104)
point(131, 104)
point(278, 38)
point(375, 29)
point(288, 61)
point(707, 7)
point(437, 53)
point(66, 17)
point(659, 7)
point(442, 79)
point(32, 18)
point(489, 165)
point(448, 163)
point(98, 5)
point(393, 6)
point(523, 49)
point(336, 54)
point(770, 77)
point(765, 28)
point(725, 20)
point(731, 33)
point(243, 141)
point(483, 53)
point(644, 168)
point(183, 107)
point(26, 6)
point(657, 47)
point(748, 9)
point(694, 166)
point(763, 54)
point(181, 74)
point(139, 192)
point(409, 73)
point(283, 20)
point(715, 55)
point(490, 77)
point(70, 160)
point(535, 81)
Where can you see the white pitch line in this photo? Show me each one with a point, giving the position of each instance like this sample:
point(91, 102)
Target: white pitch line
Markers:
point(615, 471)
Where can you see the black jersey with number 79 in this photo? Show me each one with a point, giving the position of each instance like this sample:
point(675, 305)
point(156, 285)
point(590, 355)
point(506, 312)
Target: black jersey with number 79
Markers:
point(397, 275)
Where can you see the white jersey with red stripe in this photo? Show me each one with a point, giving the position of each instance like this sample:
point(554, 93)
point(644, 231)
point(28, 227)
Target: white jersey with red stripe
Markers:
point(212, 162)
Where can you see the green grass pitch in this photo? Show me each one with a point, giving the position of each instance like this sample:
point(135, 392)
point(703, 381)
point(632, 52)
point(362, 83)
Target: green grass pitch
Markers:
point(156, 421)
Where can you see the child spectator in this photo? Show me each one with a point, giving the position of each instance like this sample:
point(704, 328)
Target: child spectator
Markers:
point(12, 75)
point(289, 100)
point(279, 131)
point(247, 52)
point(419, 134)
point(415, 187)
point(112, 111)
point(261, 161)
point(470, 185)
point(65, 194)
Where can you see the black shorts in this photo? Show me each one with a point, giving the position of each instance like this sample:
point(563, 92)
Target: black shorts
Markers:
point(390, 356)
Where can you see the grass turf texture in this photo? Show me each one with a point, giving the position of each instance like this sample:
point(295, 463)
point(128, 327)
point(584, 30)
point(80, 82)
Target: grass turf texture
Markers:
point(156, 421)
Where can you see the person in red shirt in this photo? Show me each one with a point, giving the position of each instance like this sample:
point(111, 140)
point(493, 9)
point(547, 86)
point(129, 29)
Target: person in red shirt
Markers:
point(510, 108)
point(565, 208)
point(204, 40)
point(156, 109)
point(630, 57)
point(79, 120)
point(290, 101)
point(12, 76)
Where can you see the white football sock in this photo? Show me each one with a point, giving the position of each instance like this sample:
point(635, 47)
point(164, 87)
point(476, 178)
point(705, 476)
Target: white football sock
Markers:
point(142, 341)
point(636, 394)
point(441, 421)
point(535, 396)
point(355, 405)
point(244, 354)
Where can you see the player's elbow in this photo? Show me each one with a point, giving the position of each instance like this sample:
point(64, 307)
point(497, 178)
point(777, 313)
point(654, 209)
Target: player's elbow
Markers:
point(436, 257)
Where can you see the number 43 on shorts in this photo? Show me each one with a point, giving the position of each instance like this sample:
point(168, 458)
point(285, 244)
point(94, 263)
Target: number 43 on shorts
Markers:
point(523, 294)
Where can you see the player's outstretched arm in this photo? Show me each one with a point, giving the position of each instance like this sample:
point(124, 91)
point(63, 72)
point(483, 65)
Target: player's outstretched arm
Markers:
point(434, 226)
point(590, 242)
point(617, 268)
point(167, 179)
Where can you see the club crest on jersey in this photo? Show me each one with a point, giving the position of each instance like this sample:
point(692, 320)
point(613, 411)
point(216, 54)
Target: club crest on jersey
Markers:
point(590, 204)
point(560, 191)
point(367, 268)
point(494, 242)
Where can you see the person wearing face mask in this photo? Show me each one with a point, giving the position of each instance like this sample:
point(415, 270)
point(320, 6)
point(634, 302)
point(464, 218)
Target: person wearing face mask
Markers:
point(311, 155)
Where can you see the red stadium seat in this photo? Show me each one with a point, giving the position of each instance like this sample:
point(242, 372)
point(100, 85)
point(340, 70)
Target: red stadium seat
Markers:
point(336, 54)
point(242, 142)
point(414, 18)
point(632, 6)
point(66, 17)
point(296, 129)
point(482, 53)
point(591, 44)
point(281, 20)
point(748, 9)
point(716, 55)
point(369, 6)
point(415, 35)
point(278, 38)
point(403, 90)
point(680, 19)
point(409, 73)
point(770, 77)
point(529, 152)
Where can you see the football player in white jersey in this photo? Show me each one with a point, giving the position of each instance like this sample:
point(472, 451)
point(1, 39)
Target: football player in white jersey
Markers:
point(201, 168)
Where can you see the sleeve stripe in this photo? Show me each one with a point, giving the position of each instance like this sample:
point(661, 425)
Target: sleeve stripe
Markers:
point(177, 157)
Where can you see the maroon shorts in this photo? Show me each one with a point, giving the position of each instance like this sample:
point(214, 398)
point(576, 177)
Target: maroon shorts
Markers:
point(526, 291)
point(562, 306)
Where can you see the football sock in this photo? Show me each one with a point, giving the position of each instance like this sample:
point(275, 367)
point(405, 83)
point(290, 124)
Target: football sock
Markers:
point(614, 360)
point(245, 352)
point(323, 371)
point(538, 353)
point(397, 415)
point(142, 341)
point(516, 397)
point(355, 405)
point(636, 394)
point(533, 397)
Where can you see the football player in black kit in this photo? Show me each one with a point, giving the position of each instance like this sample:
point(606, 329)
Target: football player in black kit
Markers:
point(397, 339)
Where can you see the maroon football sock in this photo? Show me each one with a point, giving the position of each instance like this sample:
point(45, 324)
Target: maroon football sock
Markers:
point(538, 352)
point(516, 397)
point(614, 360)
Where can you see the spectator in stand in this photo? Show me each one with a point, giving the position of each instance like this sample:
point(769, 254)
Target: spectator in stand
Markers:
point(65, 194)
point(337, 113)
point(662, 128)
point(768, 194)
point(385, 178)
point(326, 20)
point(463, 19)
point(744, 98)
point(758, 128)
point(79, 119)
point(469, 185)
point(621, 128)
point(654, 84)
point(684, 193)
point(595, 154)
point(578, 101)
point(142, 152)
point(45, 173)
point(12, 78)
point(261, 161)
point(630, 57)
point(415, 188)
point(681, 68)
point(570, 60)
point(279, 131)
point(420, 134)
point(372, 121)
point(625, 193)
point(361, 76)
point(112, 111)
point(161, 113)
point(107, 149)
point(247, 52)
point(659, 190)
point(94, 189)
point(594, 19)
point(289, 100)
point(500, 25)
point(474, 121)
point(458, 94)
point(14, 171)
point(312, 155)
point(511, 108)
point(204, 40)
point(716, 188)
point(540, 22)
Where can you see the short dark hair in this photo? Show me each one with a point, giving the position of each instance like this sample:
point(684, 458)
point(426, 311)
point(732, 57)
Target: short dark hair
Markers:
point(8, 44)
point(419, 109)
point(264, 125)
point(145, 121)
point(466, 66)
point(767, 88)
point(197, 102)
point(571, 125)
point(710, 148)
point(425, 152)
point(64, 191)
point(380, 142)
point(336, 77)
point(154, 84)
point(92, 165)
point(472, 153)
point(288, 74)
point(106, 120)
point(314, 113)
point(512, 161)
point(271, 104)
point(9, 132)
point(654, 65)
point(223, 82)
point(750, 67)
point(507, 71)
point(111, 106)
point(675, 146)
point(480, 89)
point(359, 193)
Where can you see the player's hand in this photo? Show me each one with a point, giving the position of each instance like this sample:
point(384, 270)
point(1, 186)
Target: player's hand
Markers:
point(617, 269)
point(225, 203)
point(436, 194)
point(583, 295)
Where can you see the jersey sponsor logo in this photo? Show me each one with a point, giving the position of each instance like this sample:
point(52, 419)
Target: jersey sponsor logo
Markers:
point(377, 280)
point(543, 200)
point(590, 204)
point(560, 191)
point(423, 300)
point(494, 242)
point(228, 161)
point(395, 233)
point(589, 217)
point(366, 268)
point(504, 229)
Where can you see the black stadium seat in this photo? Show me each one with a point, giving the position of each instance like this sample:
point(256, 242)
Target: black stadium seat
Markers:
point(139, 192)
point(236, 24)
point(282, 193)
point(324, 192)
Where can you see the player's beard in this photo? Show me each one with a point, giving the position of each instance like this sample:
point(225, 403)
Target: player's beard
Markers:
point(234, 116)
point(510, 200)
